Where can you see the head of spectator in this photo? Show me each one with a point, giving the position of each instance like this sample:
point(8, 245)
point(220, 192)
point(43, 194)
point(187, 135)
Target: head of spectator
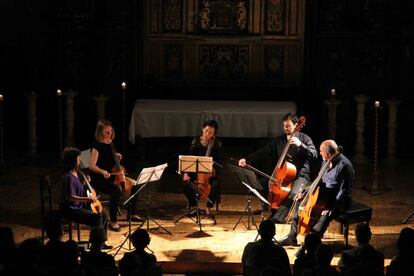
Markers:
point(324, 255)
point(405, 242)
point(312, 242)
point(267, 230)
point(362, 233)
point(53, 227)
point(140, 239)
point(97, 239)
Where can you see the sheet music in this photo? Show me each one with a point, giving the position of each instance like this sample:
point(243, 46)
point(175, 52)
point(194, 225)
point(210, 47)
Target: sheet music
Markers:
point(253, 190)
point(151, 174)
point(198, 164)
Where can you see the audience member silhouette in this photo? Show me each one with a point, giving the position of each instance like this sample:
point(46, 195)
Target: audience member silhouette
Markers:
point(7, 250)
point(146, 263)
point(27, 258)
point(71, 265)
point(402, 264)
point(96, 262)
point(265, 253)
point(307, 259)
point(363, 259)
point(52, 256)
point(324, 255)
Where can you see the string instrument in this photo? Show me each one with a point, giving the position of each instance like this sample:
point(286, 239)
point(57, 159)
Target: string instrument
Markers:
point(124, 183)
point(203, 179)
point(314, 202)
point(284, 173)
point(96, 206)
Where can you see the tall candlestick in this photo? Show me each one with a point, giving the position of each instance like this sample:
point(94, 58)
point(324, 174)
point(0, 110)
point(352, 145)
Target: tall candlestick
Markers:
point(375, 190)
point(59, 98)
point(1, 132)
point(123, 87)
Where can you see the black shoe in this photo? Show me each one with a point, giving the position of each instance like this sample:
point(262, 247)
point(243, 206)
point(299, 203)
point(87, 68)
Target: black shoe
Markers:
point(106, 246)
point(115, 228)
point(301, 251)
point(136, 218)
point(288, 240)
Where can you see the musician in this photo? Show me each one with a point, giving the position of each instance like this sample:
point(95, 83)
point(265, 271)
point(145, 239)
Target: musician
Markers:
point(335, 188)
point(199, 147)
point(301, 153)
point(74, 203)
point(101, 163)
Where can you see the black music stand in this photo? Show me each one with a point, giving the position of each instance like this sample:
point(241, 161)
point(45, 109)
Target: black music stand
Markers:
point(195, 164)
point(147, 175)
point(247, 176)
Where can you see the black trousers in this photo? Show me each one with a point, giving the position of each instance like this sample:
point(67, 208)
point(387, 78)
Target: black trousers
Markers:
point(191, 193)
point(323, 222)
point(87, 217)
point(109, 188)
point(279, 214)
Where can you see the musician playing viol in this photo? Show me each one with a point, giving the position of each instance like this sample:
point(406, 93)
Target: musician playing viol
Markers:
point(206, 144)
point(335, 189)
point(75, 204)
point(101, 164)
point(301, 153)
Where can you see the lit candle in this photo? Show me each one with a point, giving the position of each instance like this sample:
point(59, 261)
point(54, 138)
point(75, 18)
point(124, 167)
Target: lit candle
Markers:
point(59, 92)
point(377, 104)
point(1, 97)
point(333, 92)
point(123, 85)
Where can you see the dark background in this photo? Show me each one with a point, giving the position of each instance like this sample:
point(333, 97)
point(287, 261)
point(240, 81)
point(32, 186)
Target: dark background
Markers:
point(357, 47)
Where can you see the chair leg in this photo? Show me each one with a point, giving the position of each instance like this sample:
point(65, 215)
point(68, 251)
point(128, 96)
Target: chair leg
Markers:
point(78, 230)
point(70, 230)
point(346, 232)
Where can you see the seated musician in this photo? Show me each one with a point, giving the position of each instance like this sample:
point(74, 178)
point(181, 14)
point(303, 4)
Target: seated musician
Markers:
point(101, 164)
point(199, 147)
point(301, 153)
point(75, 205)
point(335, 189)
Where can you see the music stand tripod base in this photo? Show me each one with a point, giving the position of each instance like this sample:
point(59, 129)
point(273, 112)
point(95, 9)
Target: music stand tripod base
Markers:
point(195, 164)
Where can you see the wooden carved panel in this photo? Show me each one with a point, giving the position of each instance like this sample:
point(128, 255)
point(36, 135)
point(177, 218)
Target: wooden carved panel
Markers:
point(275, 17)
point(223, 16)
point(274, 62)
point(173, 62)
point(224, 62)
point(172, 16)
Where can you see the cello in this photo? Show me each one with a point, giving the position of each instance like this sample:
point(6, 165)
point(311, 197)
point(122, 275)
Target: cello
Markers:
point(314, 202)
point(284, 173)
point(124, 183)
point(203, 179)
point(96, 206)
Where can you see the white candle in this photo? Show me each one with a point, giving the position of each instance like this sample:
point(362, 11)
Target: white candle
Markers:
point(59, 92)
point(333, 92)
point(123, 85)
point(377, 104)
point(1, 97)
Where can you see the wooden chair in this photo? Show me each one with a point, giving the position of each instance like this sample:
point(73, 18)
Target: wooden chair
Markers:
point(46, 209)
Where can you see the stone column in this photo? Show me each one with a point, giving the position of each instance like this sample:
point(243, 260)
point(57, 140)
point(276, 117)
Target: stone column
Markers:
point(100, 106)
point(392, 128)
point(1, 133)
point(32, 120)
point(70, 117)
point(332, 104)
point(359, 156)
